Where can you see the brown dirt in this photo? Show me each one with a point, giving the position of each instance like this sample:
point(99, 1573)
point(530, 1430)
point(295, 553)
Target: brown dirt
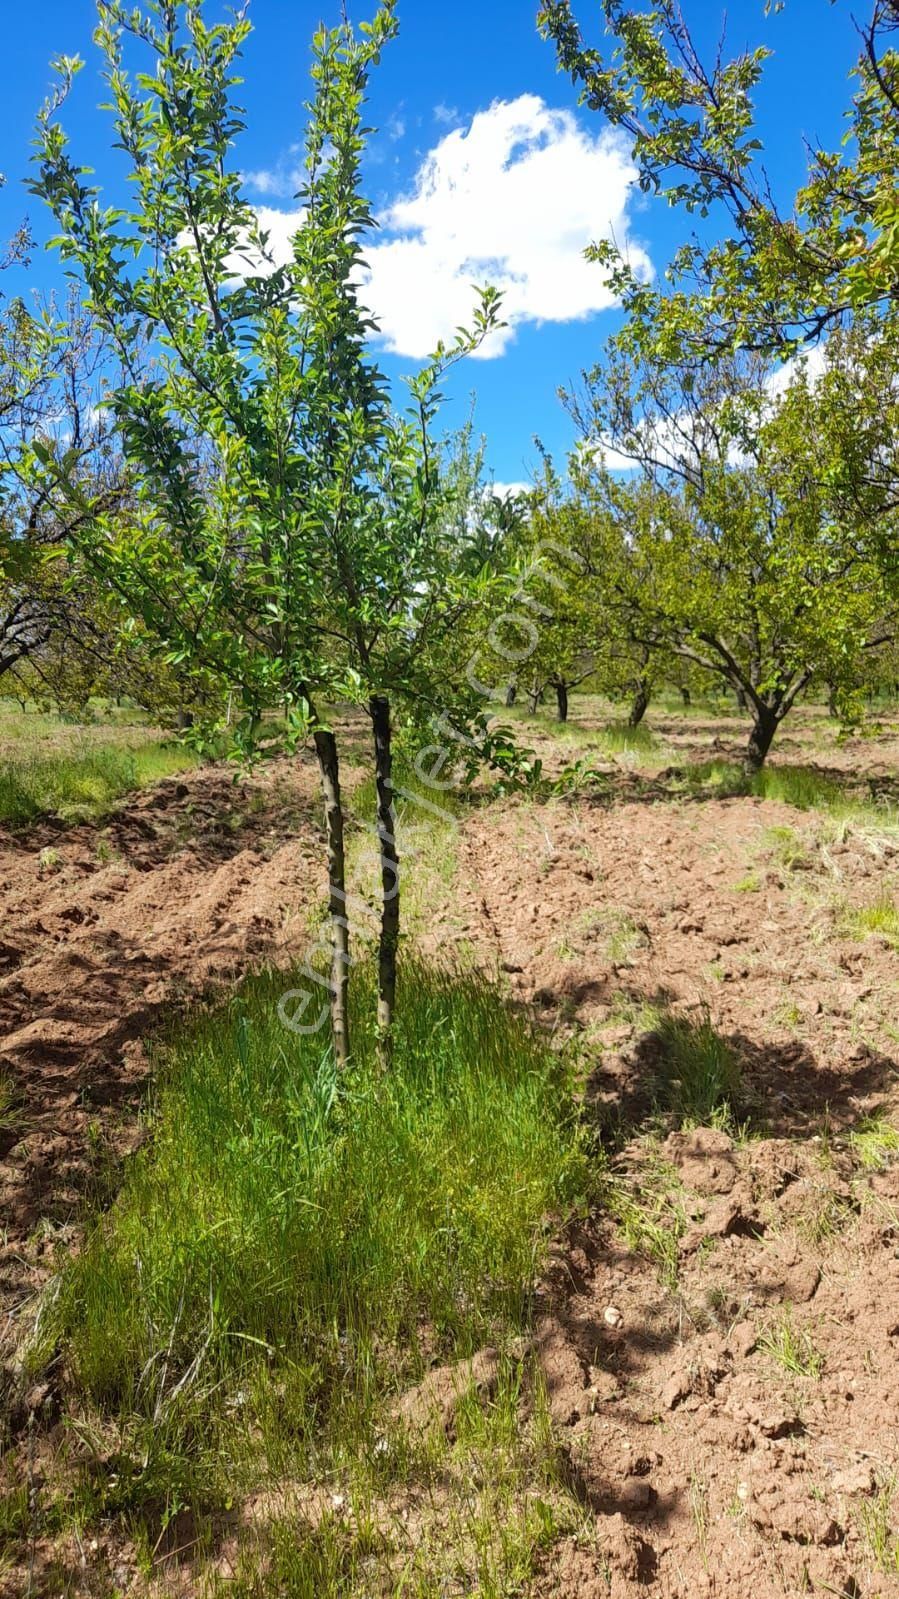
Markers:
point(105, 931)
point(704, 1465)
point(711, 1469)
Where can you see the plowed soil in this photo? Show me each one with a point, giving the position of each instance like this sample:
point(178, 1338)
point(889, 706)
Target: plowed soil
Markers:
point(105, 932)
point(714, 1468)
point(726, 1403)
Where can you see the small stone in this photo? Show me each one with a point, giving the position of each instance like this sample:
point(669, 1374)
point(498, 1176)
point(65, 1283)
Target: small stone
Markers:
point(612, 1316)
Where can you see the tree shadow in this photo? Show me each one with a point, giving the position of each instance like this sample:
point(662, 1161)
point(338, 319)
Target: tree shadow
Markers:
point(785, 1090)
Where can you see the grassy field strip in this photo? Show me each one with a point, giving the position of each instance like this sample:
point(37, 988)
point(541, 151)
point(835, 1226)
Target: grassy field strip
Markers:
point(294, 1249)
point(83, 784)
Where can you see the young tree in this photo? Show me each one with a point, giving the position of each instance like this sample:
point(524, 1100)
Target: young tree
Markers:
point(284, 538)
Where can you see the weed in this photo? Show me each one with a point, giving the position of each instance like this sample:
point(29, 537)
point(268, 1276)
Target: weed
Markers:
point(824, 1215)
point(788, 849)
point(699, 1510)
point(581, 777)
point(82, 783)
point(791, 1346)
point(800, 786)
point(649, 1211)
point(874, 1142)
point(881, 918)
point(750, 884)
point(878, 1528)
point(698, 1074)
point(618, 738)
point(10, 1109)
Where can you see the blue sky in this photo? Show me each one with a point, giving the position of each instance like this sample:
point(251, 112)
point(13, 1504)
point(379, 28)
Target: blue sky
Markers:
point(481, 154)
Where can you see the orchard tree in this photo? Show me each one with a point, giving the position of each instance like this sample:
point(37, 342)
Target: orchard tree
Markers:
point(50, 371)
point(774, 277)
point(286, 536)
point(745, 557)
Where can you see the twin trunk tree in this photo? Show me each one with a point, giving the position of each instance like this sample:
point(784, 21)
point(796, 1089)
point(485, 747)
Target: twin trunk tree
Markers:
point(284, 537)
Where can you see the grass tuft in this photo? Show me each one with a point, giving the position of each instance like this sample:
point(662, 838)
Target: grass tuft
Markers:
point(874, 1143)
point(791, 1347)
point(699, 1076)
point(880, 919)
point(618, 738)
point(292, 1245)
point(879, 1527)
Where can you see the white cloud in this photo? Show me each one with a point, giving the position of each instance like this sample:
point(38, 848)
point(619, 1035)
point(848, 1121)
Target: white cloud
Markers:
point(513, 200)
point(812, 360)
point(283, 180)
point(508, 491)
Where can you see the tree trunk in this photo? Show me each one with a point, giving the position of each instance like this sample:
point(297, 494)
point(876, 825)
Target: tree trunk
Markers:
point(832, 707)
point(562, 701)
point(511, 693)
point(687, 698)
point(640, 704)
point(760, 739)
point(535, 695)
point(329, 768)
point(390, 875)
point(742, 700)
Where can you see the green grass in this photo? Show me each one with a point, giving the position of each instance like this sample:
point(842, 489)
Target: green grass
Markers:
point(791, 1347)
point(800, 786)
point(291, 1247)
point(649, 1212)
point(495, 1497)
point(881, 918)
point(879, 1527)
point(788, 848)
point(10, 1110)
point(699, 1076)
point(619, 739)
point(874, 1143)
point(803, 787)
point(83, 783)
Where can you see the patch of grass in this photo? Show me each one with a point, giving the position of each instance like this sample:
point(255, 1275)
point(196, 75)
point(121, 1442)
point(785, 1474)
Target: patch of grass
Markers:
point(824, 1215)
point(617, 738)
point(803, 787)
point(880, 919)
point(750, 884)
point(492, 1504)
point(874, 1143)
point(649, 1211)
point(791, 1347)
point(699, 1076)
point(292, 1245)
point(724, 778)
point(879, 1529)
point(10, 1109)
point(787, 848)
point(83, 783)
